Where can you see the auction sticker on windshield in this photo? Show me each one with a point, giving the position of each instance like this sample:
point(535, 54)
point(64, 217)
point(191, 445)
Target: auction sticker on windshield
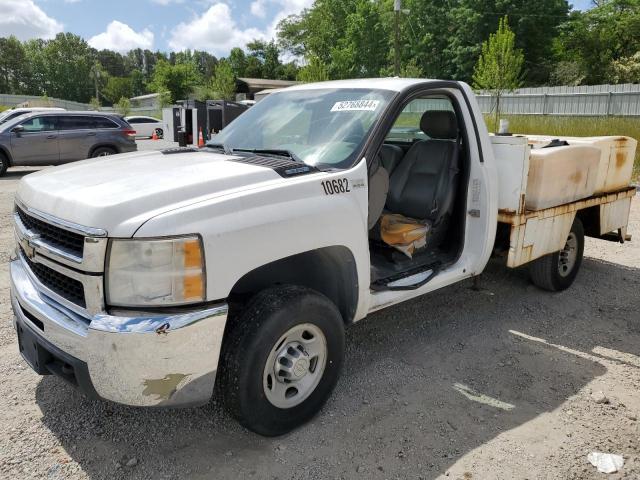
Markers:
point(356, 106)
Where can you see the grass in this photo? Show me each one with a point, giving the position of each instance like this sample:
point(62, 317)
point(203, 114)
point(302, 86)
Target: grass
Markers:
point(574, 127)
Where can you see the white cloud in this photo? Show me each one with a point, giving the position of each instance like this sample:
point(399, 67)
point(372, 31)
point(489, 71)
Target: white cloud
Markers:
point(26, 20)
point(259, 8)
point(215, 31)
point(122, 38)
point(290, 7)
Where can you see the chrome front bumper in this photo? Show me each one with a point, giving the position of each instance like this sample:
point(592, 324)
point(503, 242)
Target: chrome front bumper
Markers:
point(145, 360)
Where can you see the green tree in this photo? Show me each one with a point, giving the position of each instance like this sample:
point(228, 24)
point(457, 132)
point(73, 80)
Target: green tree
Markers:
point(597, 38)
point(137, 82)
point(113, 63)
point(68, 60)
point(123, 106)
point(223, 83)
point(314, 71)
point(36, 80)
point(253, 68)
point(117, 88)
point(268, 53)
point(238, 61)
point(95, 104)
point(99, 77)
point(351, 37)
point(12, 65)
point(626, 69)
point(178, 80)
point(499, 68)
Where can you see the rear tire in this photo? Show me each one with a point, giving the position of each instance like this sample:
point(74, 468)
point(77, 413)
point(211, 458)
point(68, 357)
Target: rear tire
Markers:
point(4, 164)
point(281, 359)
point(557, 271)
point(103, 152)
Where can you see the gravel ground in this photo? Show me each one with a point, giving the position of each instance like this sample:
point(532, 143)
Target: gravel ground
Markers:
point(502, 383)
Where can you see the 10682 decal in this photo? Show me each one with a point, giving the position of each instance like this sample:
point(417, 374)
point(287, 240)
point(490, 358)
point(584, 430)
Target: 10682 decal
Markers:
point(339, 185)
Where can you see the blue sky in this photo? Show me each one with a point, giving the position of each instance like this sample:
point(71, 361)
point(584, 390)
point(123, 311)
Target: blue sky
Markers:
point(212, 25)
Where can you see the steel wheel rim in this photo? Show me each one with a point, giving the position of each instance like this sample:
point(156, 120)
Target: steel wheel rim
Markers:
point(295, 366)
point(568, 256)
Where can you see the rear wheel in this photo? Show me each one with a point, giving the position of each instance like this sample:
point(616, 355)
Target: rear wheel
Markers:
point(4, 163)
point(281, 359)
point(557, 271)
point(103, 152)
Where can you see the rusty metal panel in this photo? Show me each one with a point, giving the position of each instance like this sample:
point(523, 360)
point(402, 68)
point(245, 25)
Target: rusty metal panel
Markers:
point(614, 215)
point(535, 234)
point(539, 237)
point(519, 219)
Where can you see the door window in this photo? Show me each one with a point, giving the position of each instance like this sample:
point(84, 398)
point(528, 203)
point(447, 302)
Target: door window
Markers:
point(407, 126)
point(39, 124)
point(76, 122)
point(103, 122)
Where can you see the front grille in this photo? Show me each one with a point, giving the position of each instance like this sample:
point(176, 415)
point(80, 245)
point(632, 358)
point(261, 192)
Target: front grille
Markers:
point(55, 236)
point(66, 287)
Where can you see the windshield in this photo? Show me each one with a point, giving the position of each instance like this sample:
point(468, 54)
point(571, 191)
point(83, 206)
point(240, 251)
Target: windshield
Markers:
point(324, 127)
point(10, 114)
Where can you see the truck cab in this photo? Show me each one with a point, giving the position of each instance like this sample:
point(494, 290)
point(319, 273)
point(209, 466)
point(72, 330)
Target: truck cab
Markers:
point(239, 265)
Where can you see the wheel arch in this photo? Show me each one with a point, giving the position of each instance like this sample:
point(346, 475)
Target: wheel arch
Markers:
point(7, 154)
point(328, 270)
point(103, 145)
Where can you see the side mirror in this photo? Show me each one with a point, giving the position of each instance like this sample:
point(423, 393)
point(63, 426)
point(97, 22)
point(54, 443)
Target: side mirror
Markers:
point(18, 129)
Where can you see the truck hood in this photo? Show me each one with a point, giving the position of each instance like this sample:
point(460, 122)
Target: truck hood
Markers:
point(119, 193)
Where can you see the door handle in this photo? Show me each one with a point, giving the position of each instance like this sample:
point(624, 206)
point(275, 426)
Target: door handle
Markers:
point(91, 134)
point(50, 137)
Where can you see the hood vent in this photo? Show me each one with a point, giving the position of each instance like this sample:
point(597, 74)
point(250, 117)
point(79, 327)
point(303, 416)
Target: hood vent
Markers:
point(282, 166)
point(171, 151)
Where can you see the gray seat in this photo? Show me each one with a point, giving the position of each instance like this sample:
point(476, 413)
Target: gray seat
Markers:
point(423, 185)
point(390, 157)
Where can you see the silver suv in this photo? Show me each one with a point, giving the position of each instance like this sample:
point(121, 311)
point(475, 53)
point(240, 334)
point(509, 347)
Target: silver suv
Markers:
point(53, 138)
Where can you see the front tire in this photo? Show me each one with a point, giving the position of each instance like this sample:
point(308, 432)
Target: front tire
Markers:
point(103, 152)
point(557, 271)
point(4, 164)
point(281, 359)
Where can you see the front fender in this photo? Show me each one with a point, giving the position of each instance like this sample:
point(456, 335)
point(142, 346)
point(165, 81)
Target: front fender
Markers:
point(247, 230)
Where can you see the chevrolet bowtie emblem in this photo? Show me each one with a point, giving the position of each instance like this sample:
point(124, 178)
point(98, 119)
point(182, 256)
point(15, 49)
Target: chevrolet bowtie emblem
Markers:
point(29, 247)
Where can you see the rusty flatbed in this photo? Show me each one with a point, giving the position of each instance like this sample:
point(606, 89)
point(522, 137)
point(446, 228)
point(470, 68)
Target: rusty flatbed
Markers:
point(513, 218)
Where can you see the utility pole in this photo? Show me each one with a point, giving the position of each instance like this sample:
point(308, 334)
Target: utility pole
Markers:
point(397, 8)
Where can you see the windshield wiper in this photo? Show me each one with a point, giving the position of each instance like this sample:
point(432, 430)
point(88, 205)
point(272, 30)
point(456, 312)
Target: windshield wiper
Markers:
point(221, 146)
point(280, 152)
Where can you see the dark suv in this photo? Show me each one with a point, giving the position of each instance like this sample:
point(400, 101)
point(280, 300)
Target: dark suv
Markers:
point(53, 138)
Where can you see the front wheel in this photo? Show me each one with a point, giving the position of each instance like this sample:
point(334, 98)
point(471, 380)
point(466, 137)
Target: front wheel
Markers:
point(4, 164)
point(557, 271)
point(103, 152)
point(281, 359)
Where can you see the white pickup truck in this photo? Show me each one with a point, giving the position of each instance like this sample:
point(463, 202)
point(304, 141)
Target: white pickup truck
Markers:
point(149, 278)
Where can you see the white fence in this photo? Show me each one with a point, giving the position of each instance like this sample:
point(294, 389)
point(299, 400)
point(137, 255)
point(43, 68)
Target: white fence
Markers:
point(13, 100)
point(589, 100)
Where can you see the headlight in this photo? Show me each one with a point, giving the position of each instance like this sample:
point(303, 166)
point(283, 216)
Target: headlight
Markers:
point(155, 272)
